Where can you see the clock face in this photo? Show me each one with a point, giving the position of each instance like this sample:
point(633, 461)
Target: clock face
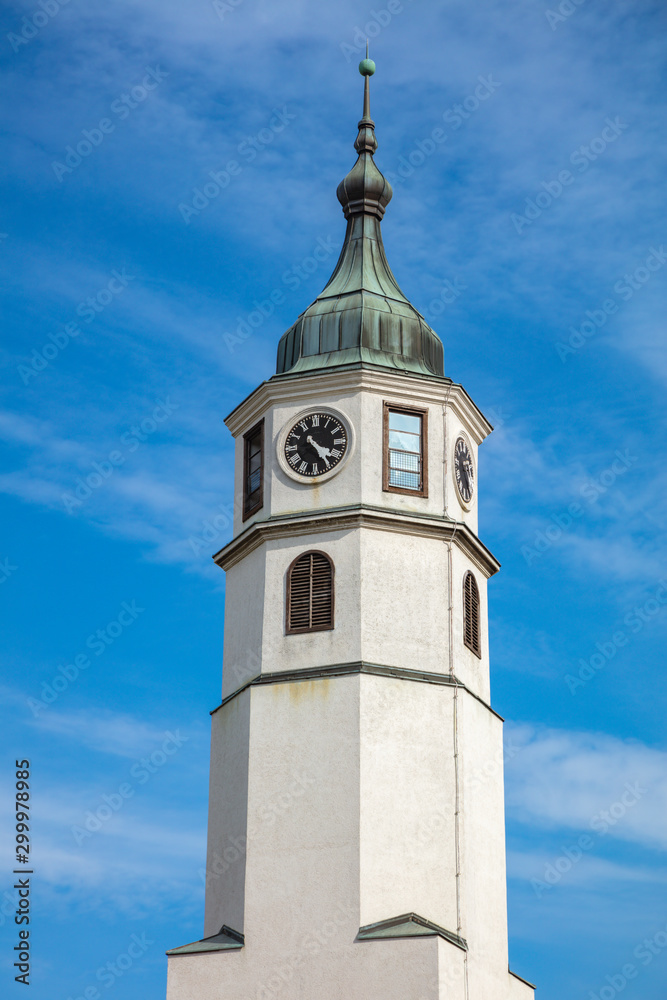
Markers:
point(315, 444)
point(464, 470)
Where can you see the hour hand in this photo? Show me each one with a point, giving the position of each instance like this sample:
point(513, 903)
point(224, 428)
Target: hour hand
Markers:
point(322, 452)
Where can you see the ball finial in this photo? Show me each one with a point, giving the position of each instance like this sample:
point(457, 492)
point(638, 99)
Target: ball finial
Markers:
point(366, 67)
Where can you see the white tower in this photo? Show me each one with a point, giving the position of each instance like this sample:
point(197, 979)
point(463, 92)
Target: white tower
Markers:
point(356, 841)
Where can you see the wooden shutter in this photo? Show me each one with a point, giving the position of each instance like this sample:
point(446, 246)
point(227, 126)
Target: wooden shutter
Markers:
point(471, 624)
point(310, 593)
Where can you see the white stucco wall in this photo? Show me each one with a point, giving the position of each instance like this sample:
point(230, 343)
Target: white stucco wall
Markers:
point(351, 790)
point(392, 603)
point(359, 396)
point(355, 799)
point(244, 616)
point(351, 787)
point(228, 816)
point(407, 797)
point(482, 840)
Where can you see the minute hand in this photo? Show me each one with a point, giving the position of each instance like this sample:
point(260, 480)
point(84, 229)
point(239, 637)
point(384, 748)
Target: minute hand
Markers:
point(322, 452)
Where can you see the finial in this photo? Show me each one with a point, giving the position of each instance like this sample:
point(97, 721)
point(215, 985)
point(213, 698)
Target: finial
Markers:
point(365, 191)
point(367, 68)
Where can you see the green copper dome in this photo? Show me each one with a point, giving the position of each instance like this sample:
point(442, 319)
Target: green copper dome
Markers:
point(362, 316)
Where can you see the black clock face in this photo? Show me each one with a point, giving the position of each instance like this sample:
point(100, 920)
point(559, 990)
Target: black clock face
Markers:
point(464, 470)
point(316, 444)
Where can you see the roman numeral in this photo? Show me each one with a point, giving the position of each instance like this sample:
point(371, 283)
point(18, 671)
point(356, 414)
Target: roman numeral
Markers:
point(339, 440)
point(303, 467)
point(290, 447)
point(315, 420)
point(302, 423)
point(335, 453)
point(294, 459)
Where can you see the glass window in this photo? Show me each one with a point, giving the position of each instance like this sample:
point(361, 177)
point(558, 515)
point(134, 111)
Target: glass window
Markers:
point(253, 470)
point(404, 453)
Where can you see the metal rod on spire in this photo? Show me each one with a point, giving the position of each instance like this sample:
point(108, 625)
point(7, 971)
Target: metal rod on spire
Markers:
point(367, 68)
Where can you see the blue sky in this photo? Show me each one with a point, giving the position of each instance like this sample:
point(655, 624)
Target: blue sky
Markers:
point(530, 235)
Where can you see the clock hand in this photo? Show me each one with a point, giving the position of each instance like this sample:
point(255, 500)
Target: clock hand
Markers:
point(321, 451)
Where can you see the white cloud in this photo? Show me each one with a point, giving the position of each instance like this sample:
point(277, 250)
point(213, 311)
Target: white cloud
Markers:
point(589, 870)
point(104, 731)
point(576, 780)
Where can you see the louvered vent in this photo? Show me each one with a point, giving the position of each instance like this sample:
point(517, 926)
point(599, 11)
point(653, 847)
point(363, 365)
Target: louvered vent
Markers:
point(310, 593)
point(471, 629)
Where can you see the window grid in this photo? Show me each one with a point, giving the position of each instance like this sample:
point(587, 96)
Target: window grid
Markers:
point(310, 593)
point(404, 451)
point(253, 470)
point(471, 615)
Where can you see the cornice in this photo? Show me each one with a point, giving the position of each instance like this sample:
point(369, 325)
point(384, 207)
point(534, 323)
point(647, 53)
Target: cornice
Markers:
point(348, 670)
point(301, 389)
point(358, 516)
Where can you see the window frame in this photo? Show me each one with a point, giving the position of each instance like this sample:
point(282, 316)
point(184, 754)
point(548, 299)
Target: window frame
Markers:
point(476, 593)
point(257, 429)
point(410, 411)
point(288, 595)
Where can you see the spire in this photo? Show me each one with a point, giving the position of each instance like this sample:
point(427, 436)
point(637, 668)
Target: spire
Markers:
point(362, 316)
point(365, 189)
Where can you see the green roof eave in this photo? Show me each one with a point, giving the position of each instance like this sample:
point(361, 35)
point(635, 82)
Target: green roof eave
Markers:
point(409, 925)
point(359, 357)
point(226, 940)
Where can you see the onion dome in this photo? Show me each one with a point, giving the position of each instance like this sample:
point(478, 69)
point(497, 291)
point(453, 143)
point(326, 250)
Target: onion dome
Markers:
point(362, 316)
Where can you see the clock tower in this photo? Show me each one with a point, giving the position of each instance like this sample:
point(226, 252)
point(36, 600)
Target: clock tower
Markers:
point(356, 843)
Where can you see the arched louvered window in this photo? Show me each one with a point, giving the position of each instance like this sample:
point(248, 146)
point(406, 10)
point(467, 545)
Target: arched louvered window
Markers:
point(471, 623)
point(310, 593)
